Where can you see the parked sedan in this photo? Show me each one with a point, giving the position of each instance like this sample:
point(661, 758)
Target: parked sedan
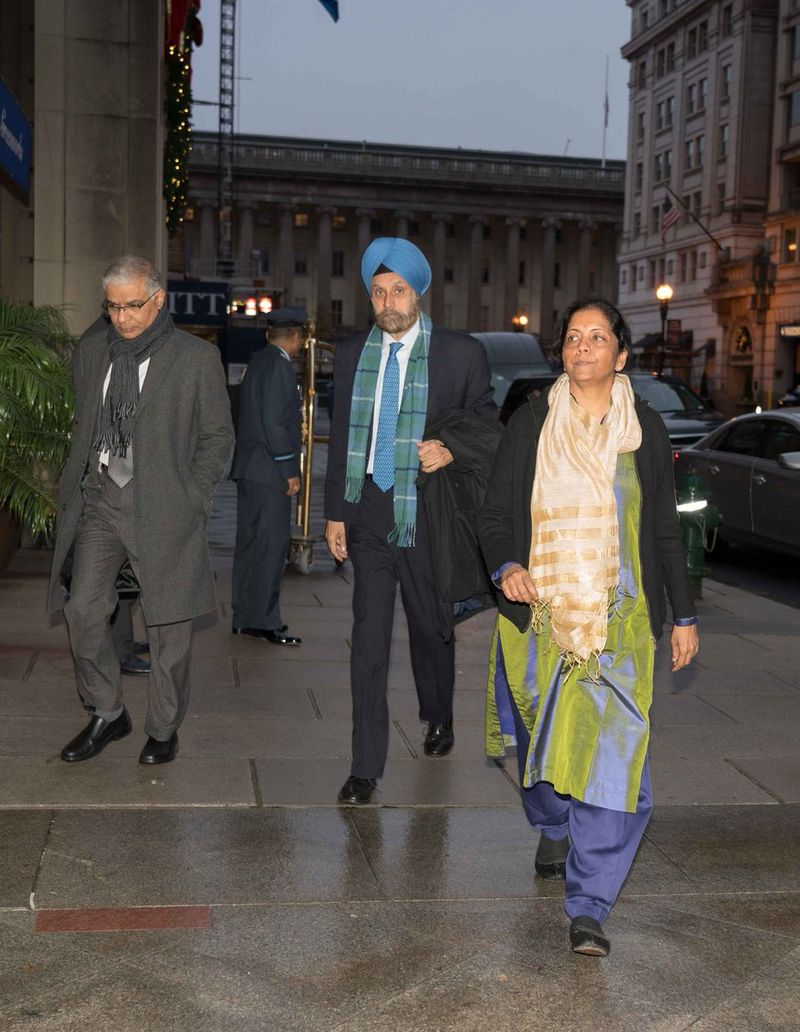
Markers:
point(751, 466)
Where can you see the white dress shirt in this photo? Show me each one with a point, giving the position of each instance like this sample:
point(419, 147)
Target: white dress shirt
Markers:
point(403, 355)
point(142, 373)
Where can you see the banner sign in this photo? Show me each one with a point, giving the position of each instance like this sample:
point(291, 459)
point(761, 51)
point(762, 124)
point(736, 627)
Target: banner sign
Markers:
point(15, 142)
point(197, 303)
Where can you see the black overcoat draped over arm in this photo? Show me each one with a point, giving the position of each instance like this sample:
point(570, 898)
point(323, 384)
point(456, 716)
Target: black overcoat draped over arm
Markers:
point(504, 524)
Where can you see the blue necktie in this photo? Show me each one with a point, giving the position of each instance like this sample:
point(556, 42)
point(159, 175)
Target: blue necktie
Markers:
point(383, 466)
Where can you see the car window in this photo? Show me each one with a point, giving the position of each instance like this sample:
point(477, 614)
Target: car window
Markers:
point(741, 439)
point(667, 397)
point(780, 437)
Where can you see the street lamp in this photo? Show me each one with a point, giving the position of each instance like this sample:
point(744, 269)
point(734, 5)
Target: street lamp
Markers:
point(520, 322)
point(664, 294)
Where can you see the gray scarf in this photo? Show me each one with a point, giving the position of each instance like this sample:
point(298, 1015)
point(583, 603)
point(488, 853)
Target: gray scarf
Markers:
point(119, 408)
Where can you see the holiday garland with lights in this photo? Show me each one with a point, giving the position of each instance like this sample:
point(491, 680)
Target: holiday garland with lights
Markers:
point(178, 143)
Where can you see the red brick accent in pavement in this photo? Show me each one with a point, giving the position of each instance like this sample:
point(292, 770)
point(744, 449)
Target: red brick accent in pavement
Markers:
point(122, 919)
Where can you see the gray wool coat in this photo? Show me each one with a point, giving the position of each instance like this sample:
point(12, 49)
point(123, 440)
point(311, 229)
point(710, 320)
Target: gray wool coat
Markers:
point(182, 439)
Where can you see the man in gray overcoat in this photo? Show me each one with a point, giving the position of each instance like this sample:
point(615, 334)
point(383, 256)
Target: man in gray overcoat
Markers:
point(151, 436)
point(266, 468)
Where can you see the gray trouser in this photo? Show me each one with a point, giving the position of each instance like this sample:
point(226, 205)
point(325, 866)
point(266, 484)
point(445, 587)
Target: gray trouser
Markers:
point(106, 537)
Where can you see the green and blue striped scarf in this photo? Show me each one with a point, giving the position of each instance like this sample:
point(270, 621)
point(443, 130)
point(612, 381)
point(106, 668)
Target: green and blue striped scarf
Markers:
point(410, 428)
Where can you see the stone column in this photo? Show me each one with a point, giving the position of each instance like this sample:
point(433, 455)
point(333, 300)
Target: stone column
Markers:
point(245, 237)
point(363, 310)
point(324, 267)
point(286, 252)
point(586, 227)
point(440, 221)
point(401, 225)
point(475, 267)
point(548, 271)
point(208, 243)
point(512, 271)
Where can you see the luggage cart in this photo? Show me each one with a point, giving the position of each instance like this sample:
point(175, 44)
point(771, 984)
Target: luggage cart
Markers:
point(301, 551)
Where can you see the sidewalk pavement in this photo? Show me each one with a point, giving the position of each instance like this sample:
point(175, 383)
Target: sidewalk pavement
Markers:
point(227, 891)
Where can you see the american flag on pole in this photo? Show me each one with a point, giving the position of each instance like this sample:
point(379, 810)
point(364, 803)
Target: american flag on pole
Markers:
point(669, 216)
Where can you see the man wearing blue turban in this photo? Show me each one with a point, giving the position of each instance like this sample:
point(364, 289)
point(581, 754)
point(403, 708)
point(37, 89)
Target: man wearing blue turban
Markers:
point(389, 385)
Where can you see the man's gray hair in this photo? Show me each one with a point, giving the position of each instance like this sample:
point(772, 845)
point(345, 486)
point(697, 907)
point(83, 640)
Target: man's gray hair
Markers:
point(128, 268)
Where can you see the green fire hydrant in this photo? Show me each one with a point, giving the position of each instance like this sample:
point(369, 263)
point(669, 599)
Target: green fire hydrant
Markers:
point(699, 520)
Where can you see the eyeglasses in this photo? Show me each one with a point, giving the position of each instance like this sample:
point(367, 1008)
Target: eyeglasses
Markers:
point(133, 306)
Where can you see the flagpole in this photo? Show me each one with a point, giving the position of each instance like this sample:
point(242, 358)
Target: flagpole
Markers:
point(694, 218)
point(605, 116)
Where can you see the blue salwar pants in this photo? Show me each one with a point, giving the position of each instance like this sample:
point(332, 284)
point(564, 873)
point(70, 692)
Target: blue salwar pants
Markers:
point(604, 842)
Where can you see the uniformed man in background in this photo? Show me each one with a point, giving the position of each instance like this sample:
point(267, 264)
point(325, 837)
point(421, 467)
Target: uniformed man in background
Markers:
point(266, 468)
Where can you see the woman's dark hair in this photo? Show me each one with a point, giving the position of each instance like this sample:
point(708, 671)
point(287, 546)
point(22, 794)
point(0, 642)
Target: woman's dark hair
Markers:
point(619, 327)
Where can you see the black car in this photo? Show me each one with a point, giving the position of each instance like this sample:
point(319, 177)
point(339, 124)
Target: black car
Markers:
point(687, 416)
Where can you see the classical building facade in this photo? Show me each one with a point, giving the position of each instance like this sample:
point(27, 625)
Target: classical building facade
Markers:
point(508, 235)
point(710, 147)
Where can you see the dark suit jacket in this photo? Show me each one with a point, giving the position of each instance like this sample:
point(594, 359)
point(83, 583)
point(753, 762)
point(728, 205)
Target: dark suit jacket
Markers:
point(458, 378)
point(182, 439)
point(268, 431)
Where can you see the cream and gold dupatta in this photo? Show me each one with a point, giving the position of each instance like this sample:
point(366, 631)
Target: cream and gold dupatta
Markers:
point(574, 559)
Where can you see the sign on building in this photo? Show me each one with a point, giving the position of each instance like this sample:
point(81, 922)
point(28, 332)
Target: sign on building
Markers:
point(15, 144)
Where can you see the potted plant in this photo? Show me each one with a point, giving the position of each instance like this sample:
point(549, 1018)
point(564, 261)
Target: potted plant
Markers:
point(36, 403)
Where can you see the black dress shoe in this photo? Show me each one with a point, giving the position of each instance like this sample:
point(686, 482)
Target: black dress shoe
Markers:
point(439, 740)
point(357, 791)
point(276, 637)
point(551, 858)
point(156, 751)
point(586, 937)
point(95, 737)
point(255, 630)
point(131, 664)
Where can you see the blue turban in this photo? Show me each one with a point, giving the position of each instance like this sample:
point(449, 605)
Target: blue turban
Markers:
point(399, 256)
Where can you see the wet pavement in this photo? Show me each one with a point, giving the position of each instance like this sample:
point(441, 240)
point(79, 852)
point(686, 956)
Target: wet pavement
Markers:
point(227, 891)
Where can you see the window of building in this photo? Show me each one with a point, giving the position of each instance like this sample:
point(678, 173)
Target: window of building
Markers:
point(720, 198)
point(693, 265)
point(664, 110)
point(695, 152)
point(727, 21)
point(639, 175)
point(521, 274)
point(723, 141)
point(644, 18)
point(449, 271)
point(623, 277)
point(661, 64)
point(727, 80)
point(640, 127)
point(702, 94)
point(641, 75)
point(557, 274)
point(523, 232)
point(450, 230)
point(691, 43)
point(637, 224)
point(790, 245)
point(683, 265)
point(487, 232)
point(670, 57)
point(670, 267)
point(689, 155)
point(300, 219)
point(655, 218)
point(337, 311)
point(413, 228)
point(485, 275)
point(702, 259)
point(794, 109)
point(669, 107)
point(300, 265)
point(640, 273)
point(633, 276)
point(702, 37)
point(697, 203)
point(337, 263)
point(700, 150)
point(662, 166)
point(339, 222)
point(691, 98)
point(652, 274)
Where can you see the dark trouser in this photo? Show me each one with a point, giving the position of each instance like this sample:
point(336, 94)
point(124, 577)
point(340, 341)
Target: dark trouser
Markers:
point(604, 842)
point(263, 531)
point(377, 568)
point(106, 537)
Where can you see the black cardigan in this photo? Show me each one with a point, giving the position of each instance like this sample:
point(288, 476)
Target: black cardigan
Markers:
point(504, 524)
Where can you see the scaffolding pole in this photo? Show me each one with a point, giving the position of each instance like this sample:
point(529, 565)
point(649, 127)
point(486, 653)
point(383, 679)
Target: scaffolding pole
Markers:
point(227, 101)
